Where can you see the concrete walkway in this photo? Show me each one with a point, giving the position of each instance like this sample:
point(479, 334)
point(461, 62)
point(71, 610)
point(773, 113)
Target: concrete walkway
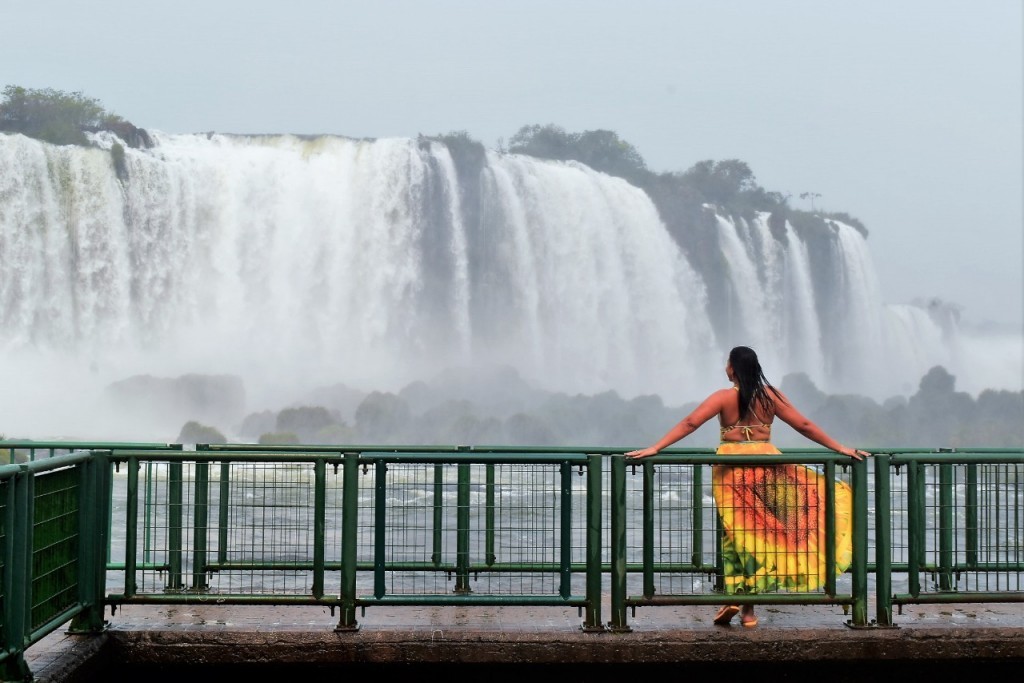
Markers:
point(172, 641)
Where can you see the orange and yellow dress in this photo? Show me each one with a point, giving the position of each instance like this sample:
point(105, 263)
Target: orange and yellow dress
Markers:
point(773, 519)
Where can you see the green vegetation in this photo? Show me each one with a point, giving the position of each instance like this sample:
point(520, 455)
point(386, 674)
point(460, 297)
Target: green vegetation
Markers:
point(384, 417)
point(602, 150)
point(50, 115)
point(10, 456)
point(937, 416)
point(729, 184)
point(62, 118)
point(310, 424)
point(194, 432)
point(441, 412)
point(680, 196)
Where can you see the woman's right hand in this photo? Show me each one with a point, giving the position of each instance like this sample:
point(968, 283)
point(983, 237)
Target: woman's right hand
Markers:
point(854, 453)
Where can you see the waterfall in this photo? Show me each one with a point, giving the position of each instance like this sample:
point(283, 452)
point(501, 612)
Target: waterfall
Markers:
point(296, 262)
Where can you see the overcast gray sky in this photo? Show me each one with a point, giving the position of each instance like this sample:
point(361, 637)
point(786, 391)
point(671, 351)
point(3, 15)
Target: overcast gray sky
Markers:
point(906, 114)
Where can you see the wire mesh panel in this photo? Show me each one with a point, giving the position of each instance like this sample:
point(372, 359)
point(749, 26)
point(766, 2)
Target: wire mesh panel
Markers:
point(992, 536)
point(55, 539)
point(240, 528)
point(682, 517)
point(263, 541)
point(900, 516)
point(259, 526)
point(778, 514)
point(494, 529)
point(958, 527)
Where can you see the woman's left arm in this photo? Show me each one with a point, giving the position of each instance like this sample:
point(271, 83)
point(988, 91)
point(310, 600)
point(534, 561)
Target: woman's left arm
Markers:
point(795, 419)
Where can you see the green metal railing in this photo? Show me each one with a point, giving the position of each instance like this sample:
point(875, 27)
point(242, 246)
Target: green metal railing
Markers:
point(50, 529)
point(415, 526)
point(958, 534)
point(87, 526)
point(54, 501)
point(15, 452)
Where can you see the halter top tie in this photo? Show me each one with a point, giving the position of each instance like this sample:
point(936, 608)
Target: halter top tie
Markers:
point(746, 429)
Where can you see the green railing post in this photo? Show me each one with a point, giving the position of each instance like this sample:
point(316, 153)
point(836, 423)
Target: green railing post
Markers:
point(349, 541)
point(223, 508)
point(592, 618)
point(200, 526)
point(462, 530)
point(945, 527)
point(92, 545)
point(319, 527)
point(489, 510)
point(108, 477)
point(380, 526)
point(565, 531)
point(618, 545)
point(131, 527)
point(860, 543)
point(915, 527)
point(10, 534)
point(18, 584)
point(883, 542)
point(971, 509)
point(697, 506)
point(648, 529)
point(104, 477)
point(175, 516)
point(437, 510)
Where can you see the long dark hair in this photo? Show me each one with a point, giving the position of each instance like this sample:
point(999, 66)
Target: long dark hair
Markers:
point(752, 383)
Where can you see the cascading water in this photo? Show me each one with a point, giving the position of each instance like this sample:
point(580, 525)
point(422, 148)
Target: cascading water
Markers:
point(302, 262)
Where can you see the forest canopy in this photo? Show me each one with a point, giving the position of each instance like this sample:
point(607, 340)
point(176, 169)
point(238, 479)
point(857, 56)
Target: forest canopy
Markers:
point(729, 184)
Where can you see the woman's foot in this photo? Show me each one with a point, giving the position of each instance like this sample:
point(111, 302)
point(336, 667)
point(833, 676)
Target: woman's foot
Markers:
point(725, 615)
point(748, 618)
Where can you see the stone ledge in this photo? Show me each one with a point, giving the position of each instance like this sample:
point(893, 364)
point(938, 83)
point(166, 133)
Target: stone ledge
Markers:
point(419, 647)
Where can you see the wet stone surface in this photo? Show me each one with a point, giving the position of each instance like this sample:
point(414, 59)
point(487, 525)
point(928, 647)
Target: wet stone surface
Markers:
point(203, 641)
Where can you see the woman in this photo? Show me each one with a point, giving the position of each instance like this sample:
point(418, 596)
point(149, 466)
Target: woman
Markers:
point(773, 517)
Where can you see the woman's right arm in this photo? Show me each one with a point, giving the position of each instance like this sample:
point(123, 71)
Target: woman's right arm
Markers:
point(711, 406)
point(786, 412)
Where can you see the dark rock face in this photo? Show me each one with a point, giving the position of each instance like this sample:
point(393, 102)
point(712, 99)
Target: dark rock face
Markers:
point(133, 136)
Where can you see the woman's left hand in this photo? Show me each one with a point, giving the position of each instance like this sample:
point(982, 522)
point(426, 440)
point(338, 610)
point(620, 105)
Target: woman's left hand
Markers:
point(641, 453)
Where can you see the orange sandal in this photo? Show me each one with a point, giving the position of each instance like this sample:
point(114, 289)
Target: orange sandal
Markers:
point(749, 620)
point(726, 614)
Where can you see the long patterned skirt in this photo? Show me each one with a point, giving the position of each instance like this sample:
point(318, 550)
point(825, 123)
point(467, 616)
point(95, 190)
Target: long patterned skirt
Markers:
point(774, 523)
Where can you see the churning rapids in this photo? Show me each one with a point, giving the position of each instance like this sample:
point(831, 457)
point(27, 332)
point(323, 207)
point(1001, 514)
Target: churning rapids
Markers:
point(294, 263)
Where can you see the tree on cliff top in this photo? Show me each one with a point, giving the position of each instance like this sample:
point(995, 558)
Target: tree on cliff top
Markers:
point(61, 118)
point(601, 150)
